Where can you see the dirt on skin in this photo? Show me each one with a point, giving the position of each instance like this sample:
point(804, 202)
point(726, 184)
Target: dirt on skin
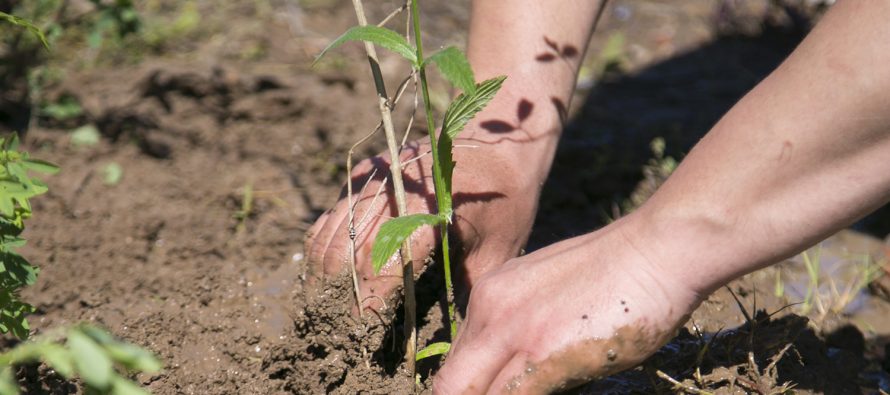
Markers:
point(162, 258)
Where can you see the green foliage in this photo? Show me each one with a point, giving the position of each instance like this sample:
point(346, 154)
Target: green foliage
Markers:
point(112, 174)
point(377, 35)
point(89, 353)
point(85, 136)
point(433, 350)
point(454, 66)
point(17, 187)
point(66, 108)
point(395, 231)
point(27, 25)
point(116, 18)
point(459, 113)
point(467, 105)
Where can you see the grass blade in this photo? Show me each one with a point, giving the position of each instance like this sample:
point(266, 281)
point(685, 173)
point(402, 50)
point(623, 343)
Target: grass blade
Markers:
point(433, 350)
point(27, 25)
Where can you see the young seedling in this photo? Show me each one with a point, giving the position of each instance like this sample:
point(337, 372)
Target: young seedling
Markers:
point(453, 64)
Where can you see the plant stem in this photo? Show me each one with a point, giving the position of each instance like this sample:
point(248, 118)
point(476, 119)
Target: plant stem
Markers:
point(395, 168)
point(437, 167)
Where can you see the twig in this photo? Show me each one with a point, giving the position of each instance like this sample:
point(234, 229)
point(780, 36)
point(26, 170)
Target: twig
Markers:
point(391, 15)
point(398, 188)
point(678, 385)
point(350, 256)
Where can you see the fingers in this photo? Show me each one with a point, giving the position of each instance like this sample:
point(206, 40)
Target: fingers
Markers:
point(511, 378)
point(473, 363)
point(323, 239)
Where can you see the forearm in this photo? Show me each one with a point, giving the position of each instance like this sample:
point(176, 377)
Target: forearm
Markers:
point(510, 37)
point(803, 154)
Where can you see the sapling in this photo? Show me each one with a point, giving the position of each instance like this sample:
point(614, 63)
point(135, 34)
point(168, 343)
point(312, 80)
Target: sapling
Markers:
point(453, 65)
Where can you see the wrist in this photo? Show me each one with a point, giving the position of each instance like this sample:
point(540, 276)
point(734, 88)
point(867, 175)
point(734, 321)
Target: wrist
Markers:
point(698, 248)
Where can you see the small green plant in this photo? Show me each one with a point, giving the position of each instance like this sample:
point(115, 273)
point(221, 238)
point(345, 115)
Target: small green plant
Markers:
point(17, 187)
point(453, 65)
point(88, 353)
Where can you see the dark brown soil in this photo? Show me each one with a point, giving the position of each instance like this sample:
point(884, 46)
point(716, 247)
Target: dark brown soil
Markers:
point(162, 260)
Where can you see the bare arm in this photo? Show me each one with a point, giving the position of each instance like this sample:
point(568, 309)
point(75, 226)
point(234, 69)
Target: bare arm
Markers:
point(802, 155)
point(539, 46)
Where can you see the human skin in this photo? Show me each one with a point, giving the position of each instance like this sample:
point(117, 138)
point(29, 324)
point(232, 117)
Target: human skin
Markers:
point(494, 209)
point(804, 154)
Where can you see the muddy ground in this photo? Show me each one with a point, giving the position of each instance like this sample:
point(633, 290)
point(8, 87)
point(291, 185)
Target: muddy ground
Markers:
point(161, 258)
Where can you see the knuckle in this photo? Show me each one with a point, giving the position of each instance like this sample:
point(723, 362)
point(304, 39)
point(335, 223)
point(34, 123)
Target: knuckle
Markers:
point(486, 291)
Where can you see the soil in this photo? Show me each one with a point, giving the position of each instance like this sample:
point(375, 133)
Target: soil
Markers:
point(162, 259)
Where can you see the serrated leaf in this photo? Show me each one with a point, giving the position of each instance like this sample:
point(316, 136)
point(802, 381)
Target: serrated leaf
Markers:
point(40, 166)
point(433, 350)
point(456, 69)
point(466, 106)
point(459, 113)
point(395, 231)
point(27, 25)
point(377, 35)
point(92, 364)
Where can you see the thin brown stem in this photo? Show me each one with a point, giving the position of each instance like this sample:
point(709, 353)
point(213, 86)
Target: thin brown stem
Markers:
point(399, 189)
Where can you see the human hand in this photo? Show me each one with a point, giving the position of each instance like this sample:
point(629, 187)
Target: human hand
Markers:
point(494, 208)
point(573, 312)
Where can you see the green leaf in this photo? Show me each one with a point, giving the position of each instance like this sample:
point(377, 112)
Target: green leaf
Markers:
point(459, 113)
point(131, 356)
point(466, 106)
point(112, 174)
point(455, 67)
point(377, 35)
point(40, 166)
point(86, 135)
point(8, 385)
point(13, 142)
point(93, 365)
point(27, 25)
point(433, 350)
point(123, 386)
point(15, 267)
point(395, 231)
point(66, 108)
point(58, 358)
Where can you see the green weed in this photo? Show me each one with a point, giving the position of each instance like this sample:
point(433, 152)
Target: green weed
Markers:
point(88, 353)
